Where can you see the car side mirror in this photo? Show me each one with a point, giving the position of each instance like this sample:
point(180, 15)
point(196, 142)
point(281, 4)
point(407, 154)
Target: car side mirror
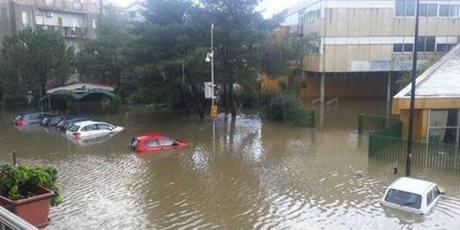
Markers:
point(441, 191)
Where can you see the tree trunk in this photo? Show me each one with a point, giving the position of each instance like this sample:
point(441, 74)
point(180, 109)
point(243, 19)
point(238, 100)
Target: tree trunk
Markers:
point(232, 100)
point(199, 105)
point(225, 99)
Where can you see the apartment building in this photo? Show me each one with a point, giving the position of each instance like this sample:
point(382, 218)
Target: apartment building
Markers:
point(366, 44)
point(74, 19)
point(134, 11)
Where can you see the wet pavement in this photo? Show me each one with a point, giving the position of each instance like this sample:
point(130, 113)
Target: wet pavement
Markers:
point(248, 174)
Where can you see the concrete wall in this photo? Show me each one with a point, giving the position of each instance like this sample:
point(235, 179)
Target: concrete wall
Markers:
point(349, 85)
point(358, 39)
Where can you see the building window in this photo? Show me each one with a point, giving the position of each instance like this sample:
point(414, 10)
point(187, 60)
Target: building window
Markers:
point(449, 10)
point(428, 10)
point(426, 44)
point(49, 2)
point(444, 47)
point(25, 18)
point(405, 8)
point(443, 126)
point(403, 47)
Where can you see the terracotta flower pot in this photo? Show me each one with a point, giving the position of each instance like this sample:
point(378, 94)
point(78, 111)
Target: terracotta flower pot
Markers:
point(34, 209)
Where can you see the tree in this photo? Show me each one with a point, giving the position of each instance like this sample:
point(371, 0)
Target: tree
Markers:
point(37, 58)
point(239, 33)
point(173, 37)
point(104, 58)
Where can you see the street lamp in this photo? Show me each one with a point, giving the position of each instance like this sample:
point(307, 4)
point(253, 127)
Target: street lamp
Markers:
point(412, 94)
point(210, 59)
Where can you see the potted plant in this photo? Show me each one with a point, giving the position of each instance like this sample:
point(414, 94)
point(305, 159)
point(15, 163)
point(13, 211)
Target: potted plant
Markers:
point(29, 191)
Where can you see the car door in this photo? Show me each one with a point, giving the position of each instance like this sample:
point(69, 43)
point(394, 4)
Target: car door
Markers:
point(432, 197)
point(104, 129)
point(152, 145)
point(90, 131)
point(166, 143)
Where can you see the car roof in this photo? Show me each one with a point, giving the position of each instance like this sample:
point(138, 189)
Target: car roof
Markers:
point(412, 185)
point(85, 123)
point(150, 135)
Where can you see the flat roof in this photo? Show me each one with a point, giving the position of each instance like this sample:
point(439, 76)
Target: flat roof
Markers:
point(441, 80)
point(411, 185)
point(81, 86)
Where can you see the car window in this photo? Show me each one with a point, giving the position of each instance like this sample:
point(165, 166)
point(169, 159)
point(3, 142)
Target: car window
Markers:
point(105, 126)
point(152, 143)
point(134, 143)
point(91, 128)
point(436, 192)
point(429, 198)
point(74, 128)
point(166, 141)
point(404, 198)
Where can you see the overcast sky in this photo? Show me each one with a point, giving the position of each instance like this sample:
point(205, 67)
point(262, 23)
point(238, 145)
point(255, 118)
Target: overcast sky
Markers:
point(269, 7)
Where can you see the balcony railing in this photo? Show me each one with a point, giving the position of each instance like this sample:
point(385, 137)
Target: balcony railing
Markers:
point(9, 221)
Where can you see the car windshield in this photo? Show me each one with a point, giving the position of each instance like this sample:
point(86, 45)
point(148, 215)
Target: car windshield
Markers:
point(404, 198)
point(134, 143)
point(74, 128)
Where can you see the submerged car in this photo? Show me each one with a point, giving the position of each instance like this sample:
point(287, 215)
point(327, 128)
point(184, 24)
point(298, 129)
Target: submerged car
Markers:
point(92, 129)
point(155, 142)
point(65, 124)
point(25, 119)
point(412, 195)
point(53, 121)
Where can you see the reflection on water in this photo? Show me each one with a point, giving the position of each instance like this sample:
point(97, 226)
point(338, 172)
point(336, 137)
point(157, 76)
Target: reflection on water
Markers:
point(253, 174)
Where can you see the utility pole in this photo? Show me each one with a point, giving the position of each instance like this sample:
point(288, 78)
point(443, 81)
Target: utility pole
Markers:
point(210, 58)
point(410, 138)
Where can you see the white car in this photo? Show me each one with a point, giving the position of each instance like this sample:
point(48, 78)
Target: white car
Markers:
point(92, 129)
point(412, 195)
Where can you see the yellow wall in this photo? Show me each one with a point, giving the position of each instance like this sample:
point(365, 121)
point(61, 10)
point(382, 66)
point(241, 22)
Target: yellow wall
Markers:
point(269, 83)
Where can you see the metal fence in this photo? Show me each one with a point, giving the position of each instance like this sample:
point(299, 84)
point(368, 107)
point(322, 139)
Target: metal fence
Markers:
point(369, 124)
point(429, 155)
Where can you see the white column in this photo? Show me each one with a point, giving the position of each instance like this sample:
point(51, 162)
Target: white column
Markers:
point(388, 100)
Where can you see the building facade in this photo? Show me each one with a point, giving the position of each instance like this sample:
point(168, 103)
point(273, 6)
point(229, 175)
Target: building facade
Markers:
point(134, 11)
point(365, 44)
point(437, 102)
point(74, 19)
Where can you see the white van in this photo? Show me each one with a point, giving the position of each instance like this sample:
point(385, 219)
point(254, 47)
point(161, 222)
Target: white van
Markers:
point(412, 195)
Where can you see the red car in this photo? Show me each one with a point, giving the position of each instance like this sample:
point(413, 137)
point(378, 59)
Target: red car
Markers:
point(155, 142)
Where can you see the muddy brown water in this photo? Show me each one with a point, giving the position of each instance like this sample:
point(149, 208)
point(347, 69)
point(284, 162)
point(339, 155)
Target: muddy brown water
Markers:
point(249, 174)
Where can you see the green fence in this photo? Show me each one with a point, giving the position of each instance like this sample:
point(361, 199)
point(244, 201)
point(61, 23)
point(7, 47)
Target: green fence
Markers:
point(368, 124)
point(430, 155)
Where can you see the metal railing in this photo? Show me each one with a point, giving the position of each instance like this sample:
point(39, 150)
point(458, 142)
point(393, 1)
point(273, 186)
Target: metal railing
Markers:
point(369, 124)
point(441, 156)
point(9, 221)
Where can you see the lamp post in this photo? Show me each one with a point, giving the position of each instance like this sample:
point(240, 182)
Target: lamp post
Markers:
point(210, 58)
point(412, 94)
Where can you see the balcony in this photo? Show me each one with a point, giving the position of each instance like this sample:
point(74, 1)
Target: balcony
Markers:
point(74, 6)
point(9, 221)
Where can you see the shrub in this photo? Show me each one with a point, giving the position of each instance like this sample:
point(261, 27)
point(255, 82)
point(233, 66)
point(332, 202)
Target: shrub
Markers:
point(287, 107)
point(16, 183)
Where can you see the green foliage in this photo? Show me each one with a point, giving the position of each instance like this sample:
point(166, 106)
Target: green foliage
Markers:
point(17, 183)
point(282, 55)
point(115, 105)
point(287, 108)
point(106, 58)
point(35, 58)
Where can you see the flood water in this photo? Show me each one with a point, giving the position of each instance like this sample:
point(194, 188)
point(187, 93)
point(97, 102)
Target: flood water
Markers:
point(247, 174)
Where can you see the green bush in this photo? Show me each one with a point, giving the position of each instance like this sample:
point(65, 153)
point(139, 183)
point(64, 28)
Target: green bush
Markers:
point(247, 98)
point(16, 183)
point(115, 106)
point(287, 108)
